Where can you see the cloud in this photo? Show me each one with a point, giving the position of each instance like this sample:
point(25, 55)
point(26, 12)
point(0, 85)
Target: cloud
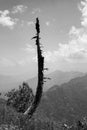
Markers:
point(73, 51)
point(83, 9)
point(74, 31)
point(50, 56)
point(22, 62)
point(76, 48)
point(30, 23)
point(47, 23)
point(5, 62)
point(29, 49)
point(35, 11)
point(29, 55)
point(6, 20)
point(69, 52)
point(50, 22)
point(19, 9)
point(25, 61)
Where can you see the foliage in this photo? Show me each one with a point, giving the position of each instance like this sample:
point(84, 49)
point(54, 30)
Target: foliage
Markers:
point(21, 98)
point(12, 120)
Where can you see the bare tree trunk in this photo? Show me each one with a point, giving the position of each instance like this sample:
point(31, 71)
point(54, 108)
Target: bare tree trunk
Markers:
point(29, 112)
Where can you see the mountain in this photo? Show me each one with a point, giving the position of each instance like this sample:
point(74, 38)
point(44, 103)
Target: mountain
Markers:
point(57, 78)
point(67, 101)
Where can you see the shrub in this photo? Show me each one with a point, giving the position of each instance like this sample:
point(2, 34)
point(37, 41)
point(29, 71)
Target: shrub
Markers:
point(20, 99)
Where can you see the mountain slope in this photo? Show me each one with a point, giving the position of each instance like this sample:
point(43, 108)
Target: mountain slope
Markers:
point(66, 102)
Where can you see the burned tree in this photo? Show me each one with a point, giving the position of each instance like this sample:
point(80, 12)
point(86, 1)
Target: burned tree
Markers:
point(40, 58)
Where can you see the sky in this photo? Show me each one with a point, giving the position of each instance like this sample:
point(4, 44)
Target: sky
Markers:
point(63, 25)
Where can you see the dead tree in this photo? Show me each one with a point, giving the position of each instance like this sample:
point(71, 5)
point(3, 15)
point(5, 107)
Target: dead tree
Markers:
point(40, 58)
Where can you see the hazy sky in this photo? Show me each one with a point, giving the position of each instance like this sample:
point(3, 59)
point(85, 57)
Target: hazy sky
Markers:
point(63, 35)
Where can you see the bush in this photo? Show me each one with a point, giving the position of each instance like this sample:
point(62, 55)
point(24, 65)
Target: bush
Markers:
point(20, 99)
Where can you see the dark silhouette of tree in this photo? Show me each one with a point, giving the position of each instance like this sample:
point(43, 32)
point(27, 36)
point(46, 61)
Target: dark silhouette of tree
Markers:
point(29, 112)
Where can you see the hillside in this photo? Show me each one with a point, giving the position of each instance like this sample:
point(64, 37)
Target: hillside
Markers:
point(66, 102)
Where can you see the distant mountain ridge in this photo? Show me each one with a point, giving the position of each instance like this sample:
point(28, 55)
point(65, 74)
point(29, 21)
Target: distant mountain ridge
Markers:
point(57, 77)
